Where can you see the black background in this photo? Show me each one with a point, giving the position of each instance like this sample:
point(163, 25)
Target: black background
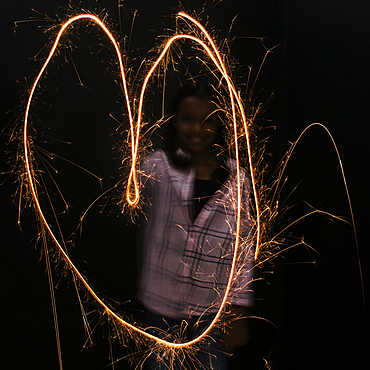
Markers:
point(319, 73)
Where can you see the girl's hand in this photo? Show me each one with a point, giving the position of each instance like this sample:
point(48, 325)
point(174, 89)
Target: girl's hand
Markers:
point(237, 332)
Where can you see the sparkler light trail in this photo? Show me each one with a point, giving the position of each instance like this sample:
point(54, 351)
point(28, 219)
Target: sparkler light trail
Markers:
point(132, 193)
point(241, 122)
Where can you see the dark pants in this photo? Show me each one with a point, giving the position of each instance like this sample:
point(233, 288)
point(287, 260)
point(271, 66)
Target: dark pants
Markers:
point(209, 354)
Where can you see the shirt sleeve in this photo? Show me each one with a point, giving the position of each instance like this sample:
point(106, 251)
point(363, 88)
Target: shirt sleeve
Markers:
point(241, 292)
point(149, 172)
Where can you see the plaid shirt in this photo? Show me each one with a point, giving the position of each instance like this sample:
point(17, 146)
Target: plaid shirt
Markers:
point(185, 264)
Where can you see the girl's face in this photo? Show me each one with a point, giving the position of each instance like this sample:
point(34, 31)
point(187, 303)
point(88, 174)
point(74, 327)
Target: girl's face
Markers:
point(197, 125)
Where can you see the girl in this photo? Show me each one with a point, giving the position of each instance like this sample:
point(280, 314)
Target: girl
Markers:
point(188, 237)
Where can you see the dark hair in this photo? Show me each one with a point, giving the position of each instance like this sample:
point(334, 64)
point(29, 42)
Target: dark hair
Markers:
point(201, 89)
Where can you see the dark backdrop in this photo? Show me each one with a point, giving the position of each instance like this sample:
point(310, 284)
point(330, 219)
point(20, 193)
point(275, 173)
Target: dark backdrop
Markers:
point(319, 73)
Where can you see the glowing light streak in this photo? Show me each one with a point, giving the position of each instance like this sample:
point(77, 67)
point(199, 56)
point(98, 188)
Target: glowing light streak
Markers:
point(132, 193)
point(132, 197)
point(348, 199)
point(317, 211)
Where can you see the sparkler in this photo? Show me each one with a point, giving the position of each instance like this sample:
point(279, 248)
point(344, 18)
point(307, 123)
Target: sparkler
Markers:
point(202, 38)
point(132, 193)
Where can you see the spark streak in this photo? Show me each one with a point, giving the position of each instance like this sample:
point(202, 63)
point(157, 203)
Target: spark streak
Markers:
point(132, 191)
point(269, 198)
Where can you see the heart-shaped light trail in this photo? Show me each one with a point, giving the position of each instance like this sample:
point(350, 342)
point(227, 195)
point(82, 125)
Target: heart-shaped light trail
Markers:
point(132, 192)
